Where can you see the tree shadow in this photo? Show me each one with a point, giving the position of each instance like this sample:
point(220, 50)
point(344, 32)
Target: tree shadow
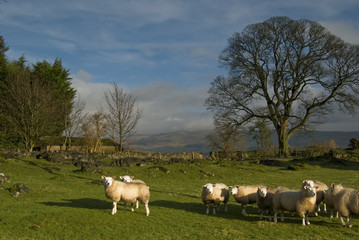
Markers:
point(88, 203)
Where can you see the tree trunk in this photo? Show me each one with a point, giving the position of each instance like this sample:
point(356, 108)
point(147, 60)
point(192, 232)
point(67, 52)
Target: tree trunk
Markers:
point(283, 142)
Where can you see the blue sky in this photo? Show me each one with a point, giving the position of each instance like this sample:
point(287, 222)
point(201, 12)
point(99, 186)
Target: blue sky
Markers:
point(164, 52)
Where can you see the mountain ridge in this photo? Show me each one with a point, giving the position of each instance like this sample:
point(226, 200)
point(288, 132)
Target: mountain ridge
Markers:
point(195, 141)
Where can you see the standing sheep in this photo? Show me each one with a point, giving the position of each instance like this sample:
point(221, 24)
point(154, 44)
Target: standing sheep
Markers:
point(127, 178)
point(215, 194)
point(329, 201)
point(346, 202)
point(265, 200)
point(126, 192)
point(321, 189)
point(245, 195)
point(302, 202)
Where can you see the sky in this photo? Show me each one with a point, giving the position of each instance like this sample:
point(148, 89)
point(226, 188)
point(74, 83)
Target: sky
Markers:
point(163, 52)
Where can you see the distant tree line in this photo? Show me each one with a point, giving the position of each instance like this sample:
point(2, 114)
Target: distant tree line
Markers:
point(37, 103)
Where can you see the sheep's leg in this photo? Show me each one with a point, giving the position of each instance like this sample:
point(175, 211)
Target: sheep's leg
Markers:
point(303, 220)
point(124, 207)
point(307, 217)
point(282, 216)
point(244, 209)
point(114, 209)
point(207, 211)
point(225, 207)
point(136, 203)
point(147, 209)
point(350, 222)
point(275, 217)
point(260, 214)
point(325, 207)
point(214, 209)
point(132, 210)
point(342, 221)
point(331, 213)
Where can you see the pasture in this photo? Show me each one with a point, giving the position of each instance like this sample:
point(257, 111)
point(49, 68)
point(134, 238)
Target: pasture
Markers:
point(65, 203)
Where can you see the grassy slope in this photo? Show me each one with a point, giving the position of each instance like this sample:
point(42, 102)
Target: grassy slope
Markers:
point(65, 204)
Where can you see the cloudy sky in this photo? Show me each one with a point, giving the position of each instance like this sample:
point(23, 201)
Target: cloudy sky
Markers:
point(164, 52)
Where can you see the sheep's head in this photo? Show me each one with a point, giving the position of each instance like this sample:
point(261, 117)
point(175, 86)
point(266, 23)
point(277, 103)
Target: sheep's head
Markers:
point(208, 188)
point(126, 178)
point(107, 181)
point(234, 190)
point(309, 183)
point(310, 191)
point(262, 192)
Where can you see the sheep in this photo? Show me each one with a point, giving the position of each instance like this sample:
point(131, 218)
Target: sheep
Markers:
point(346, 202)
point(215, 194)
point(127, 178)
point(329, 201)
point(265, 200)
point(245, 195)
point(302, 202)
point(126, 192)
point(321, 189)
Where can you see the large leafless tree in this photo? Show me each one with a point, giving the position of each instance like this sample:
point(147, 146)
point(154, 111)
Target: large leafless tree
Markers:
point(123, 114)
point(289, 72)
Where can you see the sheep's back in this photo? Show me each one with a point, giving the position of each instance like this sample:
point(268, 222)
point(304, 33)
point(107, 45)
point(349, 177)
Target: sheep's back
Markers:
point(286, 200)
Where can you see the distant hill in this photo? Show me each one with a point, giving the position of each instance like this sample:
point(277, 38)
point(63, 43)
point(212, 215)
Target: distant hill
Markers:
point(195, 141)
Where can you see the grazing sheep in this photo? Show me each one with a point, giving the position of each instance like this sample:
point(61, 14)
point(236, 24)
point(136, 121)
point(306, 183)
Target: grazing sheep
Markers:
point(127, 178)
point(302, 202)
point(215, 194)
point(329, 201)
point(321, 189)
point(346, 202)
point(245, 195)
point(126, 192)
point(265, 200)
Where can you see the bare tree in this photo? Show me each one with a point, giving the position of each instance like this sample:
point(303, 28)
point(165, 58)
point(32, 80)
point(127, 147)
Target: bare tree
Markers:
point(290, 73)
point(123, 114)
point(94, 128)
point(29, 107)
point(73, 123)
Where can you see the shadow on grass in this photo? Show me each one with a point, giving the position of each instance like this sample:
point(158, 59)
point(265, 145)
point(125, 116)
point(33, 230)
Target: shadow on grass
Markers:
point(89, 203)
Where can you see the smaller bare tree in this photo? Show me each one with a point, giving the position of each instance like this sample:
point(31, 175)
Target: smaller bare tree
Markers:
point(73, 123)
point(94, 129)
point(123, 114)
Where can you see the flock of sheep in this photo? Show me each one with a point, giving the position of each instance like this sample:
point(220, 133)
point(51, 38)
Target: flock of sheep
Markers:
point(307, 200)
point(345, 201)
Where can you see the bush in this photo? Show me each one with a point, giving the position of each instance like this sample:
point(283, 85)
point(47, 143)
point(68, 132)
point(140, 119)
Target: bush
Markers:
point(354, 143)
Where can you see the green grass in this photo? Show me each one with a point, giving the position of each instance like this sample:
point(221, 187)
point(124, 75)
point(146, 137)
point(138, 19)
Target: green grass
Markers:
point(63, 203)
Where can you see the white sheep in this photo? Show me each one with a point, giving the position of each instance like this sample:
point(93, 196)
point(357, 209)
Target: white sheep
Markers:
point(321, 189)
point(301, 202)
point(126, 192)
point(215, 194)
point(346, 202)
point(329, 201)
point(127, 178)
point(245, 195)
point(265, 200)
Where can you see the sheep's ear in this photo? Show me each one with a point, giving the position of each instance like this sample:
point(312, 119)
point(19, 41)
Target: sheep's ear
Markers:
point(132, 177)
point(332, 185)
point(103, 177)
point(114, 177)
point(121, 177)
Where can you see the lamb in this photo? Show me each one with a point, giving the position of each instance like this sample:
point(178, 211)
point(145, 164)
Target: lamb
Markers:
point(245, 195)
point(329, 201)
point(126, 192)
point(265, 200)
point(346, 202)
point(321, 189)
point(127, 178)
point(302, 202)
point(215, 194)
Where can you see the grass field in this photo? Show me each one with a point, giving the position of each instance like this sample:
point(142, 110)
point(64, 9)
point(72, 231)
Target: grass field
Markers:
point(65, 203)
